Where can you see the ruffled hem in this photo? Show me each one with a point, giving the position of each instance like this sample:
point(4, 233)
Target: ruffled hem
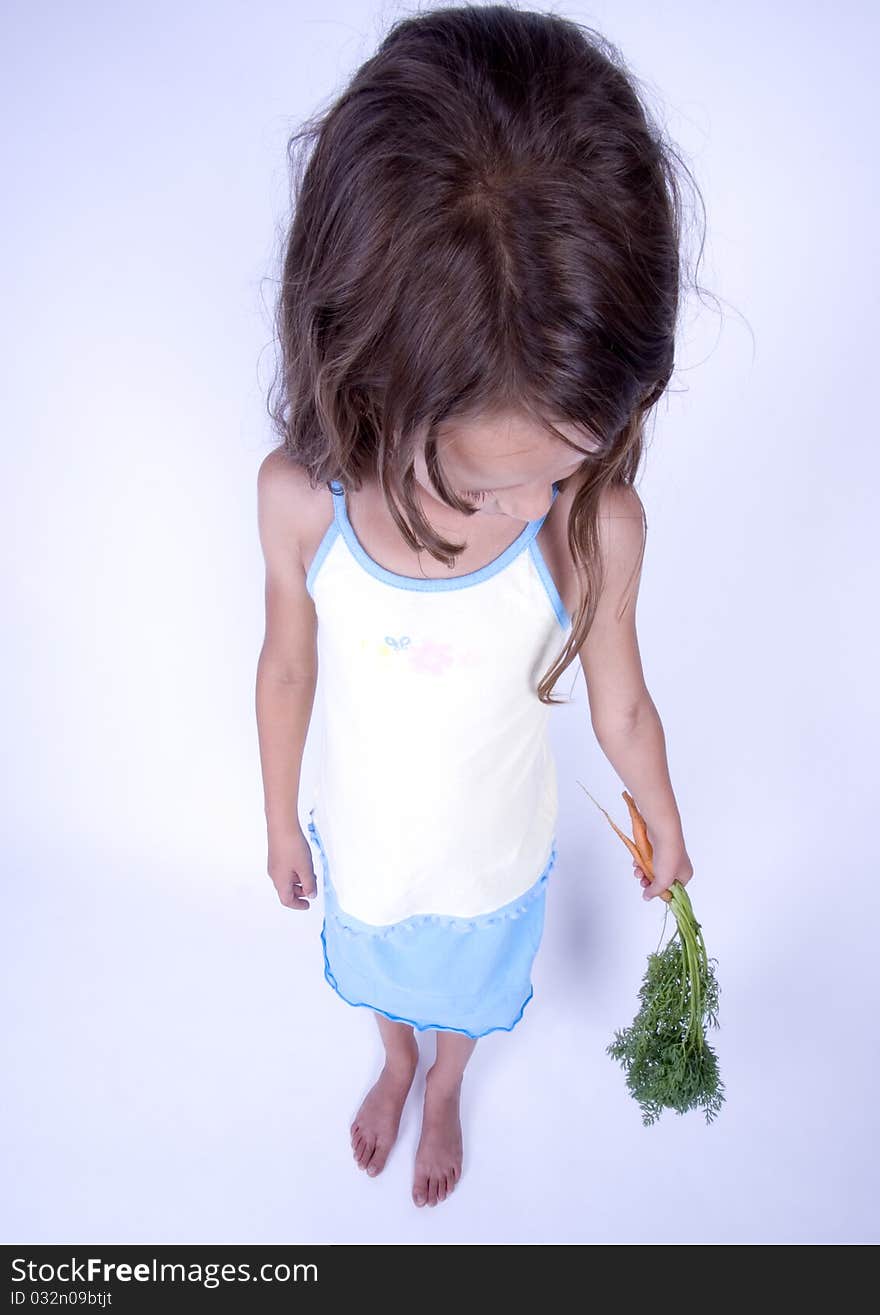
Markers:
point(426, 972)
point(418, 1024)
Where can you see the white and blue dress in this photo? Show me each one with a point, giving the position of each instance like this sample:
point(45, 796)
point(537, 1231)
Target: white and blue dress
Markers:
point(434, 808)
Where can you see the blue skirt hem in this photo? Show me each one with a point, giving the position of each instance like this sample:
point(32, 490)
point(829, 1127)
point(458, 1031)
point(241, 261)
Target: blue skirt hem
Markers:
point(436, 972)
point(421, 1027)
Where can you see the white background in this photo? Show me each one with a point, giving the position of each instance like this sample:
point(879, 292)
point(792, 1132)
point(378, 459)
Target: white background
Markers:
point(179, 1071)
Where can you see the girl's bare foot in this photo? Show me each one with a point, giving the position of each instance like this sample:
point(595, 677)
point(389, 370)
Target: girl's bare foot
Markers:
point(439, 1153)
point(375, 1126)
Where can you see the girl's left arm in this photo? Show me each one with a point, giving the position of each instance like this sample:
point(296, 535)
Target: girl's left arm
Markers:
point(625, 721)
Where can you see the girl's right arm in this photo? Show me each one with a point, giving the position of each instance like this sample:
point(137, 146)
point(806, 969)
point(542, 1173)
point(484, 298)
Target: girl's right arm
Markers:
point(286, 674)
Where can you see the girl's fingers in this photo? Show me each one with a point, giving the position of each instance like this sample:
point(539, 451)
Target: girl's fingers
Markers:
point(641, 875)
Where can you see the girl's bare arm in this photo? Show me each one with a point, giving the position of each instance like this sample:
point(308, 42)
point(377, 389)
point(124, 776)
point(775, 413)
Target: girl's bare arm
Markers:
point(625, 721)
point(287, 673)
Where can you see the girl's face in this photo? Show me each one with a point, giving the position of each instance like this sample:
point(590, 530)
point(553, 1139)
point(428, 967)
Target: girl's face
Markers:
point(504, 465)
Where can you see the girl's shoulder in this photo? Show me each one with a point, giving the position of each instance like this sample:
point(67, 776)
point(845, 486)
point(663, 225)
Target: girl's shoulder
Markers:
point(289, 507)
point(619, 527)
point(615, 499)
point(616, 502)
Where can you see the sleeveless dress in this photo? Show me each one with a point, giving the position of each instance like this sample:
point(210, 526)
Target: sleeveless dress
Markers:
point(433, 816)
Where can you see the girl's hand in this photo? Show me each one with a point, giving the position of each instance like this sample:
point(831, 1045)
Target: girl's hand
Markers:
point(291, 870)
point(670, 863)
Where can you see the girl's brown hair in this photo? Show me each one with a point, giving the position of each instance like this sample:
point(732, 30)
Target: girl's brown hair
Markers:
point(486, 218)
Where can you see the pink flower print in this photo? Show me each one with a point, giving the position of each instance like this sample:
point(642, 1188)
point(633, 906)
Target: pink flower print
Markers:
point(431, 657)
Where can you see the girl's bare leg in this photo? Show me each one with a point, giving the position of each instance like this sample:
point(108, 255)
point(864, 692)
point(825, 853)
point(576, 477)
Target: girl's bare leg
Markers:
point(375, 1125)
point(439, 1153)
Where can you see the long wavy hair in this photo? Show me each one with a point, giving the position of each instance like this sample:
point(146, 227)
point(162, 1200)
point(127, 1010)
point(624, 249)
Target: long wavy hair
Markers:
point(487, 217)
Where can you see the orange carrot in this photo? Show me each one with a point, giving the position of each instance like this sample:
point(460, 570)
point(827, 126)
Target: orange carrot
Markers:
point(639, 829)
point(643, 855)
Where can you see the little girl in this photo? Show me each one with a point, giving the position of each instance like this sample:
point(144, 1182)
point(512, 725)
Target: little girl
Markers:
point(477, 313)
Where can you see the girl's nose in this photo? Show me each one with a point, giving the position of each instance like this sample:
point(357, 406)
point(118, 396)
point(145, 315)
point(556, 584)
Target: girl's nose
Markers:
point(526, 506)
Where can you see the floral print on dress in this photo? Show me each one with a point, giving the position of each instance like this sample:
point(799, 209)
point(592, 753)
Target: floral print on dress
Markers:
point(397, 645)
point(428, 657)
point(432, 657)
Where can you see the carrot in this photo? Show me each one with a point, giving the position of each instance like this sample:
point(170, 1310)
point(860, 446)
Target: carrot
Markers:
point(665, 1054)
point(642, 853)
point(640, 830)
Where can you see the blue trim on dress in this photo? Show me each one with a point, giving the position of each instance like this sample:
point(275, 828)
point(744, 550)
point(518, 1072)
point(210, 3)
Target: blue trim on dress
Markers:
point(324, 547)
point(418, 582)
point(550, 585)
point(401, 963)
